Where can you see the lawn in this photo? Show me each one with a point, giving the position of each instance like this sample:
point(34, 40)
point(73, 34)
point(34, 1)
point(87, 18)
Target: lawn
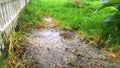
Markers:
point(85, 20)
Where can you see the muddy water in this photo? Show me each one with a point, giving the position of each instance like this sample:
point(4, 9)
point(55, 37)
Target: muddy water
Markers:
point(53, 48)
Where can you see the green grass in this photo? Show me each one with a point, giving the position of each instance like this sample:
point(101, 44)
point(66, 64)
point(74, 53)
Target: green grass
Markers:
point(31, 13)
point(84, 19)
point(72, 17)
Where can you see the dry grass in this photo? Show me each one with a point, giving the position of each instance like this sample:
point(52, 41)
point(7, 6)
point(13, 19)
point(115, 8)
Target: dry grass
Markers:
point(16, 51)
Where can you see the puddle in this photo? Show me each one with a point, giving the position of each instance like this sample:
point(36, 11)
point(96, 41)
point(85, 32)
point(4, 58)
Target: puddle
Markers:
point(53, 48)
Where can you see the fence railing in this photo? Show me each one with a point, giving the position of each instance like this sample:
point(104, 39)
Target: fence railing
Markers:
point(9, 9)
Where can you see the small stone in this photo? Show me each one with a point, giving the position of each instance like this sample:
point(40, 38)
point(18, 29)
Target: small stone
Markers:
point(66, 35)
point(66, 49)
point(74, 51)
point(70, 63)
point(48, 48)
point(79, 56)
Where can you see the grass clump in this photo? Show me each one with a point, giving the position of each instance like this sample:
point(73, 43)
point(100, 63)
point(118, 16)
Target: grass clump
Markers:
point(16, 51)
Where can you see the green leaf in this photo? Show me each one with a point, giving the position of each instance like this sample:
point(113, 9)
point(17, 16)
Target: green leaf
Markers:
point(107, 3)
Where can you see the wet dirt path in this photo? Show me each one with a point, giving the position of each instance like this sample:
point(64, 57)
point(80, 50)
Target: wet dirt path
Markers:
point(54, 48)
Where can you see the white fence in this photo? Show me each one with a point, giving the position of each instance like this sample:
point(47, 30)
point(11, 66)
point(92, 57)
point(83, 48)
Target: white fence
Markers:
point(9, 9)
point(9, 13)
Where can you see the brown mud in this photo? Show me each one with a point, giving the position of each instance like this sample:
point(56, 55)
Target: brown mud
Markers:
point(55, 48)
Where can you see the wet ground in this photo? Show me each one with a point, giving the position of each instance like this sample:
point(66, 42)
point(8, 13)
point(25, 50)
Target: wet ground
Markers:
point(54, 48)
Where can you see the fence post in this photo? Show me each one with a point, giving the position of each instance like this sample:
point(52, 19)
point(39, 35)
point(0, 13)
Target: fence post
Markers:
point(1, 44)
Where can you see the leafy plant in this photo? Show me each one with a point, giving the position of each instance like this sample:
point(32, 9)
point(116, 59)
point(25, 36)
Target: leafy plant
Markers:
point(111, 33)
point(108, 3)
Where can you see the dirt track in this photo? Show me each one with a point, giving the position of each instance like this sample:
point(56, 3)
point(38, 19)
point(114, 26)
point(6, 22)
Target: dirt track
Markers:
point(54, 48)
